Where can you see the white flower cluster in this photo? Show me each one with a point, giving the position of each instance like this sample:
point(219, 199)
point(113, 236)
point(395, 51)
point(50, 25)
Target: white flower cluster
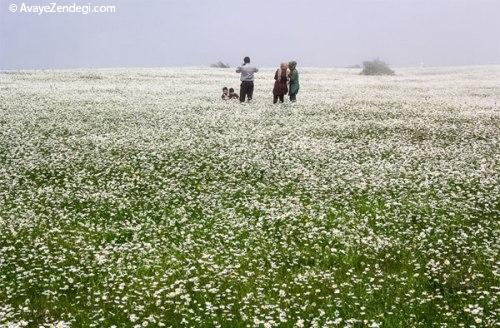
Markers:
point(138, 198)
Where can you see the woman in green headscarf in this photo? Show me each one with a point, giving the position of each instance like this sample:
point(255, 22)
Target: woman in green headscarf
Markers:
point(294, 81)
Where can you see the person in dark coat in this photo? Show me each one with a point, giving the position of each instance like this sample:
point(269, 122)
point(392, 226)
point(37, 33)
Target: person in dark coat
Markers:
point(294, 81)
point(281, 78)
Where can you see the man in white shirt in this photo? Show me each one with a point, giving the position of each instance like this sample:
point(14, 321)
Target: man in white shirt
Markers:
point(247, 71)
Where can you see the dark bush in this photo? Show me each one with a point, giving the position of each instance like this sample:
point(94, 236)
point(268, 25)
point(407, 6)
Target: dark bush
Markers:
point(220, 64)
point(376, 67)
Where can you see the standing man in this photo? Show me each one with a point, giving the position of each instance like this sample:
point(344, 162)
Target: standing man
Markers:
point(247, 71)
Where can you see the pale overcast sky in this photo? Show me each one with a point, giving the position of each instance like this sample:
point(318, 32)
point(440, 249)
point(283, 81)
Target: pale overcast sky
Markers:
point(331, 33)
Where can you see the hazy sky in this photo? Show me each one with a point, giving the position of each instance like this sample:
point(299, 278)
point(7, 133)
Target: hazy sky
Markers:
point(198, 32)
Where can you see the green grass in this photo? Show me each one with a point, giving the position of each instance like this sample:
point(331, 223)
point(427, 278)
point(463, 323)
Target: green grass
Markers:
point(364, 212)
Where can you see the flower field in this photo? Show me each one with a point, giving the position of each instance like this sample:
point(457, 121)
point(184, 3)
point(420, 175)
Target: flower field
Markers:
point(138, 198)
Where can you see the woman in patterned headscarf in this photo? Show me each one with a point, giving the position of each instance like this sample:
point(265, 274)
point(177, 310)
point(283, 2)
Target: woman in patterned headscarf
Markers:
point(294, 81)
point(281, 83)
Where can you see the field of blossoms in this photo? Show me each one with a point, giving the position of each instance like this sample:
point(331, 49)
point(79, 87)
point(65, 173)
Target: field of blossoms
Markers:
point(138, 198)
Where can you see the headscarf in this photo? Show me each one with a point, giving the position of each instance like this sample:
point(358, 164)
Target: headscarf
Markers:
point(292, 65)
point(280, 71)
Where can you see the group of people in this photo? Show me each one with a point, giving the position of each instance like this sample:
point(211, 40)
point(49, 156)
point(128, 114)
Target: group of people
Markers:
point(286, 82)
point(229, 94)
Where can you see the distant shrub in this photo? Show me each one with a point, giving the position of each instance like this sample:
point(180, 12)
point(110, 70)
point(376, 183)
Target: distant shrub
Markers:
point(220, 64)
point(16, 72)
point(376, 67)
point(90, 76)
point(354, 66)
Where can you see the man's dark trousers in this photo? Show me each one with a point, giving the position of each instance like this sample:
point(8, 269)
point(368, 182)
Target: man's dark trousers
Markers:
point(246, 90)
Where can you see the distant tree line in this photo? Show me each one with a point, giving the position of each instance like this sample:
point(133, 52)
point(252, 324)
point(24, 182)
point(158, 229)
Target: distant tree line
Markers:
point(370, 67)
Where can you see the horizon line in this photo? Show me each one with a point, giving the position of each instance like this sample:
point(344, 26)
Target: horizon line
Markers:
point(232, 67)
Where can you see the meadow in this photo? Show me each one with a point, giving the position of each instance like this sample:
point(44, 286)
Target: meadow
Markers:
point(138, 198)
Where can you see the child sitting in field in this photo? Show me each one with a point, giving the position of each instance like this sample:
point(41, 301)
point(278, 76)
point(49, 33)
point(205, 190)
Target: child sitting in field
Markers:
point(225, 93)
point(232, 94)
point(229, 94)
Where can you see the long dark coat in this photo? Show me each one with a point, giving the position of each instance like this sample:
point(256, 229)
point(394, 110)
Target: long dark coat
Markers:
point(280, 86)
point(294, 81)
